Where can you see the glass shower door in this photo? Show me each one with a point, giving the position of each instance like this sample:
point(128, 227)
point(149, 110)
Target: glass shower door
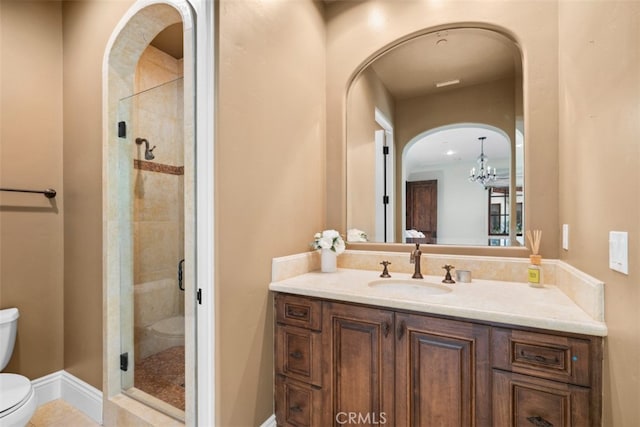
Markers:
point(151, 125)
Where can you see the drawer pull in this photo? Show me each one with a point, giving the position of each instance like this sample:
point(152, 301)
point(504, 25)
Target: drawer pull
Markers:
point(298, 409)
point(296, 355)
point(537, 358)
point(300, 314)
point(539, 422)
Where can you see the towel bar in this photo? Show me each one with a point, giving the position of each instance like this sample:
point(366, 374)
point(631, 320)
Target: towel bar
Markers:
point(49, 193)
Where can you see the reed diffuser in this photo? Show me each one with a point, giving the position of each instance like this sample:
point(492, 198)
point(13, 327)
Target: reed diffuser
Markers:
point(535, 270)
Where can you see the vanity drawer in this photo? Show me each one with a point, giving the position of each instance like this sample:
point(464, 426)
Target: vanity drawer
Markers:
point(299, 311)
point(297, 404)
point(524, 401)
point(555, 357)
point(298, 354)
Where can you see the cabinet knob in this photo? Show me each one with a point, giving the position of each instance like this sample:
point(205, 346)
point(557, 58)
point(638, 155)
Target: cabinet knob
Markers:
point(539, 422)
point(296, 354)
point(295, 409)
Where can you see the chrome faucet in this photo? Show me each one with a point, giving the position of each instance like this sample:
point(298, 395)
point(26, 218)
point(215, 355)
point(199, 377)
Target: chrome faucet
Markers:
point(414, 258)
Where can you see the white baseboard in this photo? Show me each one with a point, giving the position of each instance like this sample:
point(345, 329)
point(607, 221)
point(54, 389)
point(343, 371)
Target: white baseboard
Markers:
point(79, 394)
point(83, 396)
point(48, 388)
point(270, 422)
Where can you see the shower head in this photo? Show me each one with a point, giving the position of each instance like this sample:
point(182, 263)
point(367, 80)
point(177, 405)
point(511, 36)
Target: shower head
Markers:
point(148, 152)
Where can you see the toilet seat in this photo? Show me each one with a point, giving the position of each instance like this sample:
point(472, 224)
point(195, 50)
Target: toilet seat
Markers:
point(15, 391)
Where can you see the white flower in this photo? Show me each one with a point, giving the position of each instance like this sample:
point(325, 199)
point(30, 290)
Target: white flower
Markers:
point(329, 239)
point(325, 242)
point(355, 235)
point(331, 234)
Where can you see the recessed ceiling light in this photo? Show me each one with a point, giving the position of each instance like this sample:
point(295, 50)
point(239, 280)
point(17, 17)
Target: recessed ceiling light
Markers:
point(448, 83)
point(450, 153)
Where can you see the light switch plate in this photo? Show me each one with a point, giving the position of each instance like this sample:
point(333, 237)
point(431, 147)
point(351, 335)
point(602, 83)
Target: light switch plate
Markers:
point(565, 237)
point(618, 251)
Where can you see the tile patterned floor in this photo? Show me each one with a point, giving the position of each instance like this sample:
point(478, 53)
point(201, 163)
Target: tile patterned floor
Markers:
point(162, 376)
point(59, 413)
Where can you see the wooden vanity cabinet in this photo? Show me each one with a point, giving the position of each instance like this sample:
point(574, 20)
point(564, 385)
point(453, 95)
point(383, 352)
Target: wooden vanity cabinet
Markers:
point(380, 367)
point(340, 364)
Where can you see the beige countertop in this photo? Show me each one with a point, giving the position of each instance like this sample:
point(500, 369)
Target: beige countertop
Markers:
point(511, 303)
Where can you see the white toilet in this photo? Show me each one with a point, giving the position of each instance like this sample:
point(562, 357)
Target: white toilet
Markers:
point(17, 397)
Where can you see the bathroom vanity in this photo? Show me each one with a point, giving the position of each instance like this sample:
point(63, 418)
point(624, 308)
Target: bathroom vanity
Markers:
point(349, 350)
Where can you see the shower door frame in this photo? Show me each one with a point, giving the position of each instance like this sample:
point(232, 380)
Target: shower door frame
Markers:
point(198, 22)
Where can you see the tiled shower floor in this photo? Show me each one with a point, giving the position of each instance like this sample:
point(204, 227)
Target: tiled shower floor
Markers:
point(162, 376)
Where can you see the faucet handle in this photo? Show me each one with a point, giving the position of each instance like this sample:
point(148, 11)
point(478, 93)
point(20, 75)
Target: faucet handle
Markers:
point(447, 277)
point(385, 272)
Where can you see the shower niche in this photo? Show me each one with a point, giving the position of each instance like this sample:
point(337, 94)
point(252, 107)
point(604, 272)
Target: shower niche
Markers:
point(152, 130)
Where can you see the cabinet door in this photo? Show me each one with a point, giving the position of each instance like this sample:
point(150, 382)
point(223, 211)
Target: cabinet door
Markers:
point(525, 401)
point(442, 372)
point(358, 366)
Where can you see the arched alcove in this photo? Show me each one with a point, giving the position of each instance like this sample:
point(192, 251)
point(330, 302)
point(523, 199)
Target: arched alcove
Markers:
point(142, 23)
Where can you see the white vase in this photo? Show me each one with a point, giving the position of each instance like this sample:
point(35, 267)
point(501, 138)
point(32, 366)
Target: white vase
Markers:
point(328, 261)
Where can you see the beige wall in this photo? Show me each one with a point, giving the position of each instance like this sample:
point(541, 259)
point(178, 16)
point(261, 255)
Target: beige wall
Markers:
point(269, 183)
point(491, 103)
point(86, 29)
point(599, 100)
point(31, 227)
point(353, 38)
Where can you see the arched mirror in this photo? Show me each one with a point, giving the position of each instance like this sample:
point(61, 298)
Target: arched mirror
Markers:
point(435, 140)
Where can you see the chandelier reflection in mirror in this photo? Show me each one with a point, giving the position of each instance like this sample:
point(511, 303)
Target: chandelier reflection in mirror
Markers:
point(486, 173)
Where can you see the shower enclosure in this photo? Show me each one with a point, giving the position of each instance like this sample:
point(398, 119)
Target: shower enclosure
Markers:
point(151, 127)
point(150, 95)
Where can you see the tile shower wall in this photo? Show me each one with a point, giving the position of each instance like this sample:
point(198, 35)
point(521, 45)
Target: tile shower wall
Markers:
point(158, 192)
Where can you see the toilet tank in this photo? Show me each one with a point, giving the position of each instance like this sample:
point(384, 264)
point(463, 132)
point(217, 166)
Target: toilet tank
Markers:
point(8, 329)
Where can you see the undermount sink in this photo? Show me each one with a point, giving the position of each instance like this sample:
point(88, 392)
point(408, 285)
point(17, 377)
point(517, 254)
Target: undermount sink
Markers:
point(420, 287)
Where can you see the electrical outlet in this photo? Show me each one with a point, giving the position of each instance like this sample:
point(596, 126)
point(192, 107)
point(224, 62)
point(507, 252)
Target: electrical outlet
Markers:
point(618, 251)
